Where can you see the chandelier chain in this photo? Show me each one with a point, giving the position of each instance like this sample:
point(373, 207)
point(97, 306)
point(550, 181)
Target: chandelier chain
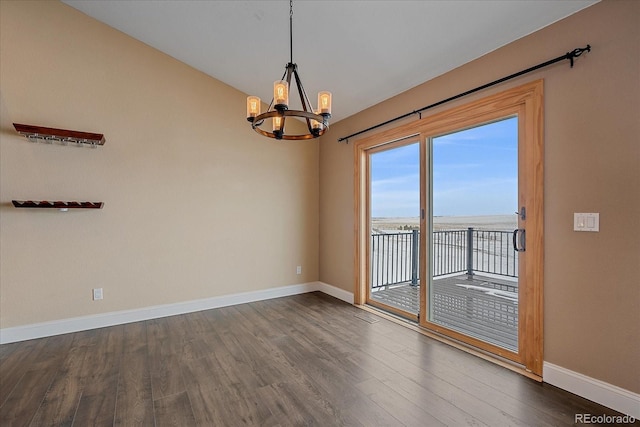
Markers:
point(291, 31)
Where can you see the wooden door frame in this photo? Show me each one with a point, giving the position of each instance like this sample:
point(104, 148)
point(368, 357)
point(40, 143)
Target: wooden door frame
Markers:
point(363, 202)
point(527, 102)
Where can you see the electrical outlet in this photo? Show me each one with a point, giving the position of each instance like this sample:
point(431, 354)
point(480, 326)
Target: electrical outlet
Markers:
point(299, 269)
point(97, 294)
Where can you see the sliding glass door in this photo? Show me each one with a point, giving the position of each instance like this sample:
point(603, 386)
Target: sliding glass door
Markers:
point(394, 217)
point(474, 264)
point(449, 224)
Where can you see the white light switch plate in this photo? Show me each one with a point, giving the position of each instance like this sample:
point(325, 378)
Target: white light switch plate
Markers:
point(586, 222)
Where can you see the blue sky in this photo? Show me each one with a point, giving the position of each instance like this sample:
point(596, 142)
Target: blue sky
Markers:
point(474, 173)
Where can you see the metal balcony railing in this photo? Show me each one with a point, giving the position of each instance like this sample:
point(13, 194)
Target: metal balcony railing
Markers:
point(394, 256)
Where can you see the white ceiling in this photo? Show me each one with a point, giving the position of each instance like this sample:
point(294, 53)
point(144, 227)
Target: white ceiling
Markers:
point(362, 51)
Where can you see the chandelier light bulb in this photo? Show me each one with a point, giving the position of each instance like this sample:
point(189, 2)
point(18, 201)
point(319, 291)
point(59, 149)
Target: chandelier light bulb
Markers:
point(324, 102)
point(316, 125)
point(281, 94)
point(277, 123)
point(278, 127)
point(253, 107)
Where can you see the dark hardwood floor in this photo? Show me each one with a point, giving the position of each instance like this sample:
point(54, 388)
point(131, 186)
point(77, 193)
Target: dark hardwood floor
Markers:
point(296, 361)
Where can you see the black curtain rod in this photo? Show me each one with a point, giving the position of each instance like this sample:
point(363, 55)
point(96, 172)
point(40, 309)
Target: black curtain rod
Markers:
point(569, 55)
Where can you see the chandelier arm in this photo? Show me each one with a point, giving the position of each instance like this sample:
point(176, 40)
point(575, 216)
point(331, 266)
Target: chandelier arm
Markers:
point(303, 96)
point(270, 105)
point(304, 93)
point(291, 69)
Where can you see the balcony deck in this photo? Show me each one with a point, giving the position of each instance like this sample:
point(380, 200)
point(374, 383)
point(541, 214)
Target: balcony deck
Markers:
point(484, 308)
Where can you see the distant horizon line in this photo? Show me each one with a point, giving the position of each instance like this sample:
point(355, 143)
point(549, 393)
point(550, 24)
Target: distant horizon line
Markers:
point(441, 216)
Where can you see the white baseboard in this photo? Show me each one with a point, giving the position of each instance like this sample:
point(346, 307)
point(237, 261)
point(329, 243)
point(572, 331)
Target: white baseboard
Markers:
point(341, 294)
point(75, 324)
point(595, 390)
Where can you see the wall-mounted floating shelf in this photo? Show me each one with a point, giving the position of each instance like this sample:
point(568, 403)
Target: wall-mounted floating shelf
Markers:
point(60, 136)
point(63, 206)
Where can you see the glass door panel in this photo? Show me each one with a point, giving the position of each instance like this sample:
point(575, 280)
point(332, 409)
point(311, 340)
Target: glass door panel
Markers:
point(473, 283)
point(394, 218)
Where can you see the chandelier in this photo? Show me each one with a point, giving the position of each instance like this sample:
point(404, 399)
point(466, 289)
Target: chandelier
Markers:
point(317, 121)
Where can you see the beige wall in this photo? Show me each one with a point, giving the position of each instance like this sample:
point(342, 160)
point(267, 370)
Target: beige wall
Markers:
point(592, 164)
point(197, 205)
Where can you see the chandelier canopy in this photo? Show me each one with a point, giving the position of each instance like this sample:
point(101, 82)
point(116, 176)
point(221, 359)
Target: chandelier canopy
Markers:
point(317, 120)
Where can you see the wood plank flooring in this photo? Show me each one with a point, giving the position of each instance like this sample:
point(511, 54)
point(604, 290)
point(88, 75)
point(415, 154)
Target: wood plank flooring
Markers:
point(296, 361)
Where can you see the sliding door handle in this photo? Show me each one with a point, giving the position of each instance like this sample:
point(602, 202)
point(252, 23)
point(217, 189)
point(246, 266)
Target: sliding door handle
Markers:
point(522, 240)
